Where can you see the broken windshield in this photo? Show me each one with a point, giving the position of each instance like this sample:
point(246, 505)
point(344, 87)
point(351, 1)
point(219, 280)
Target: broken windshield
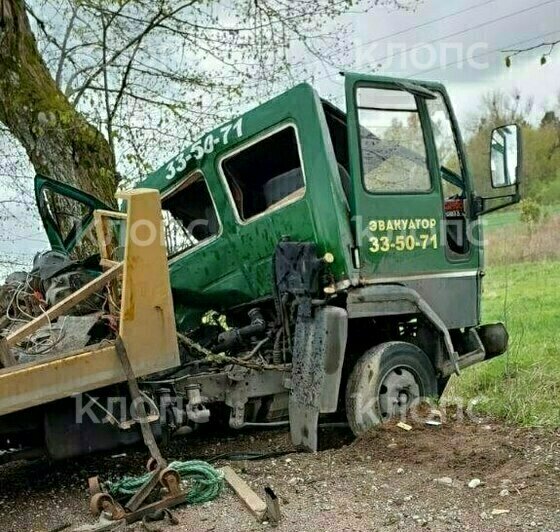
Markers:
point(392, 141)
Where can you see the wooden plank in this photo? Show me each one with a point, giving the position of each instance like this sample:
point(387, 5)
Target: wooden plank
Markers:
point(100, 217)
point(106, 249)
point(108, 263)
point(7, 359)
point(112, 214)
point(101, 234)
point(65, 305)
point(251, 500)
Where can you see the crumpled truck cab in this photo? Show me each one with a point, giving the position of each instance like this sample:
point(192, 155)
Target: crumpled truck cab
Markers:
point(317, 257)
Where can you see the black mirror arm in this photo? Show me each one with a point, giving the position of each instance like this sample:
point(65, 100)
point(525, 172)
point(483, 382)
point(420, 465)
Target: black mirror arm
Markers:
point(480, 202)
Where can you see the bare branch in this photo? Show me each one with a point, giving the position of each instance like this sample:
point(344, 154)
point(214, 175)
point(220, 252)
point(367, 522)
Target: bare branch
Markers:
point(156, 20)
point(517, 51)
point(64, 46)
point(43, 27)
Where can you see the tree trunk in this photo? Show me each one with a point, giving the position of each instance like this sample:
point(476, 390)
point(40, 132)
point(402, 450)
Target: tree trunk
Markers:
point(60, 143)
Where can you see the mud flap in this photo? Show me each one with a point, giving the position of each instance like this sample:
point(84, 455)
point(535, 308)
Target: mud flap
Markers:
point(318, 356)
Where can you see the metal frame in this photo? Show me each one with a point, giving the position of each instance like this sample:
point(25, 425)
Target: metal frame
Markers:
point(147, 323)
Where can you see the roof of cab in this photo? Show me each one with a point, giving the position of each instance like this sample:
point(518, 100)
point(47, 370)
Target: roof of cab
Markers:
point(215, 141)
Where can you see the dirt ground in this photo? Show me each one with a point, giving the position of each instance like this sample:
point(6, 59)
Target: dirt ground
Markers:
point(388, 480)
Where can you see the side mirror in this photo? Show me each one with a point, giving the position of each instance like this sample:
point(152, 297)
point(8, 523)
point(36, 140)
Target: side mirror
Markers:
point(505, 156)
point(505, 170)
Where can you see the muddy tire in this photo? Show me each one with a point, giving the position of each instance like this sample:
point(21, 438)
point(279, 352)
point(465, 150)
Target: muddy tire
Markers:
point(385, 382)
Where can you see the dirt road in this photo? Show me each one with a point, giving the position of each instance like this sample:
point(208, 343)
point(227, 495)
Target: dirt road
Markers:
point(389, 480)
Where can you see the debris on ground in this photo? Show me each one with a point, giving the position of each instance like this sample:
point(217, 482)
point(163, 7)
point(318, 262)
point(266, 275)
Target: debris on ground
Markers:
point(349, 485)
point(247, 496)
point(444, 480)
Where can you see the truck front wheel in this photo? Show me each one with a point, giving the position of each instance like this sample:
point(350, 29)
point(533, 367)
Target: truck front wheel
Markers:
point(385, 382)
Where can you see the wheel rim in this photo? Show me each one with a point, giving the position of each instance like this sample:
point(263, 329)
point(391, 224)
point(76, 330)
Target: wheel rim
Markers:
point(397, 392)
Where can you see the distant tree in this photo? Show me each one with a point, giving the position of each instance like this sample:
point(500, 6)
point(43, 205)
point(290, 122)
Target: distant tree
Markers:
point(550, 119)
point(495, 109)
point(541, 143)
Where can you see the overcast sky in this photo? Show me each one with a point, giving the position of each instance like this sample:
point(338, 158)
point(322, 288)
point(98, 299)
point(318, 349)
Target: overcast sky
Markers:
point(459, 42)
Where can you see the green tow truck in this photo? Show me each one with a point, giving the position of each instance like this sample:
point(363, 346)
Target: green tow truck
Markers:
point(320, 262)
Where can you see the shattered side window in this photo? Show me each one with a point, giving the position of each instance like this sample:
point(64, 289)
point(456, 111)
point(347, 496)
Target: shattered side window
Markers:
point(67, 213)
point(68, 216)
point(266, 174)
point(189, 215)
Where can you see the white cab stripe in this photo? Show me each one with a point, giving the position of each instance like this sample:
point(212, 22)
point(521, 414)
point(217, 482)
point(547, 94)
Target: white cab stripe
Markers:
point(442, 275)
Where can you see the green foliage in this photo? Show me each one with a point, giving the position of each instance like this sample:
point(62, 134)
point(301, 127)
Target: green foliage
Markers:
point(530, 212)
point(541, 146)
point(548, 193)
point(542, 162)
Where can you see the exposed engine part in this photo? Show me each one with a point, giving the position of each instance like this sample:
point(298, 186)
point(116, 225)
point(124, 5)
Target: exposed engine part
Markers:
point(59, 277)
point(277, 353)
point(237, 416)
point(297, 268)
point(237, 420)
point(196, 411)
point(182, 419)
point(235, 336)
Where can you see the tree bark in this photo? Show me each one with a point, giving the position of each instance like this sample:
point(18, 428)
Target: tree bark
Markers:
point(59, 141)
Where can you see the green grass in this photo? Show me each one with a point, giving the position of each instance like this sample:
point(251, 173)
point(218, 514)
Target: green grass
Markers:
point(510, 217)
point(522, 386)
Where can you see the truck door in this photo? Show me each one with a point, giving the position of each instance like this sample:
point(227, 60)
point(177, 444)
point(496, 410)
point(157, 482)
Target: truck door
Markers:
point(66, 212)
point(409, 192)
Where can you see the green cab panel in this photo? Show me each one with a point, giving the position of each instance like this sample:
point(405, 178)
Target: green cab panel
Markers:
point(234, 266)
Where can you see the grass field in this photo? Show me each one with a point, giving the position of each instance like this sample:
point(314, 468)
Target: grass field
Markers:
point(510, 217)
point(522, 386)
point(509, 240)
